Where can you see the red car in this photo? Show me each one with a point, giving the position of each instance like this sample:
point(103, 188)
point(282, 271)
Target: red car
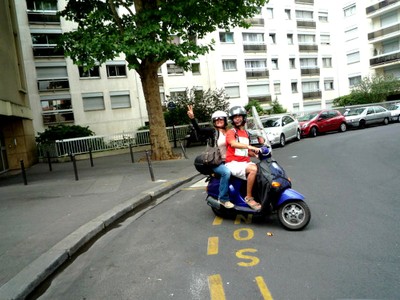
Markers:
point(316, 122)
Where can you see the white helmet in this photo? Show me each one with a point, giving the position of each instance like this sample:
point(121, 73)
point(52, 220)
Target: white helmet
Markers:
point(220, 114)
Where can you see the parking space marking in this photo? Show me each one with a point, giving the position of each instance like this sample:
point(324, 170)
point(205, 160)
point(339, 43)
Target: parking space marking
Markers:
point(216, 288)
point(217, 221)
point(212, 248)
point(263, 288)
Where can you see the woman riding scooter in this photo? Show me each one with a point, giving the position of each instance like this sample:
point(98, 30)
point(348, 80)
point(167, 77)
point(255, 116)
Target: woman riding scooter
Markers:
point(217, 134)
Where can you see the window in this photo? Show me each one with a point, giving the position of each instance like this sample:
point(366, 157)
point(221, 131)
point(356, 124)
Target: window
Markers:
point(292, 64)
point(389, 19)
point(327, 62)
point(232, 91)
point(177, 94)
point(351, 34)
point(272, 38)
point(196, 68)
point(288, 14)
point(260, 90)
point(56, 109)
point(173, 69)
point(308, 63)
point(328, 84)
point(226, 37)
point(390, 46)
point(116, 70)
point(312, 86)
point(294, 87)
point(44, 42)
point(270, 13)
point(92, 72)
point(353, 57)
point(290, 39)
point(52, 76)
point(93, 101)
point(253, 38)
point(255, 64)
point(349, 10)
point(354, 80)
point(42, 5)
point(306, 39)
point(229, 65)
point(120, 99)
point(274, 62)
point(277, 88)
point(323, 16)
point(304, 15)
point(325, 39)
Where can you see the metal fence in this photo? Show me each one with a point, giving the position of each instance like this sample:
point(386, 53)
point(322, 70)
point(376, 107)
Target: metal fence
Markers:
point(107, 142)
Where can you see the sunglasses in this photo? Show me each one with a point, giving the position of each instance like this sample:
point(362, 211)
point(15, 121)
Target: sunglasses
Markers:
point(219, 119)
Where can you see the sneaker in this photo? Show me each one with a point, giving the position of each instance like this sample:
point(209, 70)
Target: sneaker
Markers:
point(227, 204)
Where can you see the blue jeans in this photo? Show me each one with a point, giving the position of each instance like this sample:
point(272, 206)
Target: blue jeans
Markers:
point(225, 174)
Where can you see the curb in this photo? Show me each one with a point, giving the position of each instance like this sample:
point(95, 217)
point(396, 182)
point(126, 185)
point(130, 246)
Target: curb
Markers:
point(26, 281)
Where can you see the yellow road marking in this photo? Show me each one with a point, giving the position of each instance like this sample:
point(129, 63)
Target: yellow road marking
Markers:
point(216, 288)
point(263, 288)
point(217, 221)
point(253, 260)
point(212, 248)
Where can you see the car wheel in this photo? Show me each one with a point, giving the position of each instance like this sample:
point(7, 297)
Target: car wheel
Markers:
point(313, 131)
point(282, 140)
point(343, 127)
point(298, 135)
point(385, 121)
point(362, 124)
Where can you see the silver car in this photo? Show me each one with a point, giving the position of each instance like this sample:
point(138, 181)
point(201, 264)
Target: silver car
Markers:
point(364, 116)
point(395, 112)
point(281, 128)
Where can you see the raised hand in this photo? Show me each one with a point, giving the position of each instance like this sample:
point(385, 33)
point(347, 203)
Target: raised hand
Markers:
point(190, 112)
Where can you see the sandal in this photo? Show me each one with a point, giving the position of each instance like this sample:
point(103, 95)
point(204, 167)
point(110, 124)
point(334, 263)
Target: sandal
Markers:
point(252, 203)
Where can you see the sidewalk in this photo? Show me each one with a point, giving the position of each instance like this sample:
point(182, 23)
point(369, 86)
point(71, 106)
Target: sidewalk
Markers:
point(46, 221)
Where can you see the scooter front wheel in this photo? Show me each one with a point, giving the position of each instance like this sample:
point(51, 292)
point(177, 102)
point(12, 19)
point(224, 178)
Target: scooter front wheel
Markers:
point(294, 215)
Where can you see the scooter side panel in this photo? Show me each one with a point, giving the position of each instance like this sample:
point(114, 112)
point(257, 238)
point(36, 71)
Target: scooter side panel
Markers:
point(290, 194)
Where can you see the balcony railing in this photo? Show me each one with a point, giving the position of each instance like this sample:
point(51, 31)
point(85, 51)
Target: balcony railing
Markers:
point(308, 2)
point(256, 22)
point(380, 5)
point(312, 95)
point(43, 17)
point(308, 48)
point(54, 117)
point(310, 71)
point(254, 47)
point(306, 24)
point(384, 31)
point(384, 59)
point(254, 73)
point(53, 84)
point(45, 51)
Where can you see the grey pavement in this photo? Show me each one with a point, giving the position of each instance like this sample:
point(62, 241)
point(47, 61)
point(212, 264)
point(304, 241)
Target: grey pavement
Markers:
point(44, 223)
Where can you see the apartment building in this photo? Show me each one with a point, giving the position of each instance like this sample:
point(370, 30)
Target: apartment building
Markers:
point(302, 53)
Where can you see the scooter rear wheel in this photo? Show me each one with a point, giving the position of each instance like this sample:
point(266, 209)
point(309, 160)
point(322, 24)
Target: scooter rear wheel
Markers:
point(294, 215)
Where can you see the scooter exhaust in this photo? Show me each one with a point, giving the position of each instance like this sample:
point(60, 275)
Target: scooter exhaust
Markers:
point(213, 202)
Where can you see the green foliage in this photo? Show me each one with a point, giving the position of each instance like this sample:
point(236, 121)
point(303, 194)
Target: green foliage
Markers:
point(277, 108)
point(370, 90)
point(61, 131)
point(204, 104)
point(257, 105)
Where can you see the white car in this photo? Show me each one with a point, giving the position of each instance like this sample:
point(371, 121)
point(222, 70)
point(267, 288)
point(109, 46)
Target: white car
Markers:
point(281, 128)
point(395, 112)
point(364, 116)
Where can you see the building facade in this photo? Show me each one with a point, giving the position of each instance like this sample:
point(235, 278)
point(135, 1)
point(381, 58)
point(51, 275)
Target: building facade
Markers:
point(301, 53)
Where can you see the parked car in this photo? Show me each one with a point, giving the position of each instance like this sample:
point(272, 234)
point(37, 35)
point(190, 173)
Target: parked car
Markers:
point(395, 112)
point(280, 129)
point(326, 120)
point(367, 115)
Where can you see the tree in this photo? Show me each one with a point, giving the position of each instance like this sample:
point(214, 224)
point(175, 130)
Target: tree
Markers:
point(257, 105)
point(143, 31)
point(61, 132)
point(370, 90)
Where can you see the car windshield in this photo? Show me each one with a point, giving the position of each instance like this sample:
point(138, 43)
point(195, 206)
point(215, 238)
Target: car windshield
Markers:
point(272, 122)
point(354, 112)
point(307, 117)
point(393, 107)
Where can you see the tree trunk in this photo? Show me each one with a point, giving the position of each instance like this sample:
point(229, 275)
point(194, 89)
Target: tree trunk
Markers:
point(160, 145)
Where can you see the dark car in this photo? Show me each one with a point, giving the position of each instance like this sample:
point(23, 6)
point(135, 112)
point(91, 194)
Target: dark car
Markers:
point(313, 123)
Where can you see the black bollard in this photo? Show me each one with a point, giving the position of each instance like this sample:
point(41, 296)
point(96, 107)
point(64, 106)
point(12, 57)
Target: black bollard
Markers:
point(174, 135)
point(49, 161)
point(75, 168)
point(23, 172)
point(91, 156)
point(131, 151)
point(150, 166)
point(183, 150)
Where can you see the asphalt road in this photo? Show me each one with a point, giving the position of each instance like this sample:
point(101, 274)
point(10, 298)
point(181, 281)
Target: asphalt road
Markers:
point(351, 248)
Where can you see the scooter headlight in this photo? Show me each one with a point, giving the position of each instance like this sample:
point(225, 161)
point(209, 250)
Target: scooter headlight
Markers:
point(275, 184)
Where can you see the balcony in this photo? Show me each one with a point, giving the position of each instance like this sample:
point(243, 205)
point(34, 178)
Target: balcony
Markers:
point(261, 99)
point(384, 59)
point(254, 47)
point(306, 24)
point(310, 72)
point(47, 51)
point(47, 85)
point(312, 95)
point(256, 73)
point(43, 17)
point(308, 48)
point(58, 116)
point(373, 8)
point(307, 2)
point(256, 22)
point(385, 31)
